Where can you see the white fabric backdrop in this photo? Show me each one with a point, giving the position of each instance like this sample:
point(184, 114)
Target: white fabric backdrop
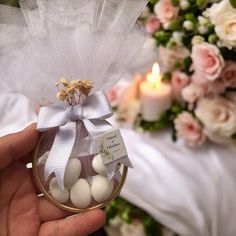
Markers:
point(190, 191)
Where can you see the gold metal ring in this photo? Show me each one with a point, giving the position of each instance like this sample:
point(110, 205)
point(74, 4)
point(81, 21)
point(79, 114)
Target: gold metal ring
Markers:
point(115, 193)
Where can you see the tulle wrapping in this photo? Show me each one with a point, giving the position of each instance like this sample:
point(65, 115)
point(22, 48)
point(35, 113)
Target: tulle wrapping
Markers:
point(78, 39)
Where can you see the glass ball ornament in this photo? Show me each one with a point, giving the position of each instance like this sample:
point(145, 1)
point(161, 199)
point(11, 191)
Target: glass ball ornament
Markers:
point(86, 185)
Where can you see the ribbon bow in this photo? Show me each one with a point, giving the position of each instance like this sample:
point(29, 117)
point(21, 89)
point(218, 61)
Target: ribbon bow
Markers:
point(91, 114)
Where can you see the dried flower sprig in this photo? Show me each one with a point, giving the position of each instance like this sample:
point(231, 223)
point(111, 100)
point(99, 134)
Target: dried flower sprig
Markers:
point(73, 91)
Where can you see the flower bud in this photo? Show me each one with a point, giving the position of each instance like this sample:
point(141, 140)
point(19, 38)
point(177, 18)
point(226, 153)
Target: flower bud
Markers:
point(188, 25)
point(171, 43)
point(202, 29)
point(212, 38)
point(184, 5)
point(203, 20)
point(178, 37)
point(197, 39)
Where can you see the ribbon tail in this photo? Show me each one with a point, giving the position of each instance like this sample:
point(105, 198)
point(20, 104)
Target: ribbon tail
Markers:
point(60, 152)
point(113, 172)
point(126, 162)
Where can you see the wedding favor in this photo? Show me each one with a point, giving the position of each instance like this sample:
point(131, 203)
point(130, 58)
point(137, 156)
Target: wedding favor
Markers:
point(74, 52)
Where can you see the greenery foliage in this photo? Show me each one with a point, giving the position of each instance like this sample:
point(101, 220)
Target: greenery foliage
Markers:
point(128, 212)
point(166, 120)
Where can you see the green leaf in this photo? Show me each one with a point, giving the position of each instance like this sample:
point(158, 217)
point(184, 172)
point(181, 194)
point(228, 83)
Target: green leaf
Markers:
point(166, 77)
point(178, 64)
point(153, 1)
point(175, 2)
point(125, 216)
point(233, 3)
point(201, 3)
point(212, 38)
point(175, 25)
point(162, 37)
point(191, 17)
point(176, 109)
point(151, 227)
point(234, 136)
point(187, 63)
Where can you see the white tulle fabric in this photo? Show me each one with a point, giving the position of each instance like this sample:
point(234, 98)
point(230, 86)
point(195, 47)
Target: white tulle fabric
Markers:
point(80, 39)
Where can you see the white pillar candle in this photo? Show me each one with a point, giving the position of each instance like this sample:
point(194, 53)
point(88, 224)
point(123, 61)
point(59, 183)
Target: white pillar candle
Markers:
point(156, 96)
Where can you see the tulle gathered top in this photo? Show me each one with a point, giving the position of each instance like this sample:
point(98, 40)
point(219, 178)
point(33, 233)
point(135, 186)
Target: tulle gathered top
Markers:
point(79, 39)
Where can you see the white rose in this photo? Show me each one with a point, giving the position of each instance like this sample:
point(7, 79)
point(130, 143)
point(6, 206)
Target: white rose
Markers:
point(218, 116)
point(223, 16)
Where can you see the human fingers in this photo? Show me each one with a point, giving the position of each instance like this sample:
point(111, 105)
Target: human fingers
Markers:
point(49, 212)
point(78, 225)
point(15, 146)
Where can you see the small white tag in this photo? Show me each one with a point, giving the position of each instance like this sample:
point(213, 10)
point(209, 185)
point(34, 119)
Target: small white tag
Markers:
point(111, 147)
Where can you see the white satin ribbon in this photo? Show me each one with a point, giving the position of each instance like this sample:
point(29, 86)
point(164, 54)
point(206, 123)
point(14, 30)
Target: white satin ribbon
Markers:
point(69, 120)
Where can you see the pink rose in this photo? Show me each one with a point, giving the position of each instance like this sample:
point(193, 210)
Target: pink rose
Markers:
point(228, 75)
point(152, 24)
point(193, 92)
point(165, 11)
point(179, 80)
point(189, 129)
point(207, 62)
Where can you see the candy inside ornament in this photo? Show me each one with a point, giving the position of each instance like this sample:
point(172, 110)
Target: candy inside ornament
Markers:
point(72, 172)
point(101, 188)
point(80, 194)
point(98, 165)
point(58, 194)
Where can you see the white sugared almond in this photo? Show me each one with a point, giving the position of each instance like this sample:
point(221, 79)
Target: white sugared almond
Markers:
point(57, 193)
point(80, 194)
point(72, 172)
point(101, 188)
point(98, 165)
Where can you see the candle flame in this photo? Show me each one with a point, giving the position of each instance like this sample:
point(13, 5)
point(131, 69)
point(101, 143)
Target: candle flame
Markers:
point(154, 77)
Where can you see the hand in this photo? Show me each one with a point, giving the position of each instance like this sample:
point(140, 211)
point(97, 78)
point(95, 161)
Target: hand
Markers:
point(22, 212)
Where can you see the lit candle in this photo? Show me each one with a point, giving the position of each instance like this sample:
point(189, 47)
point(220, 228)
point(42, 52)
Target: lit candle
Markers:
point(155, 95)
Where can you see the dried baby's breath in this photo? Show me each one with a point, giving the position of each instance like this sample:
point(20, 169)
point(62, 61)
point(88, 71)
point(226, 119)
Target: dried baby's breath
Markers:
point(64, 81)
point(73, 91)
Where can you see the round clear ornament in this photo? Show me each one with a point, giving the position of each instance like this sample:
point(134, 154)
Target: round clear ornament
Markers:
point(86, 185)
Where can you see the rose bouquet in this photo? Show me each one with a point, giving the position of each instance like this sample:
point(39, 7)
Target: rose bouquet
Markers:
point(197, 45)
